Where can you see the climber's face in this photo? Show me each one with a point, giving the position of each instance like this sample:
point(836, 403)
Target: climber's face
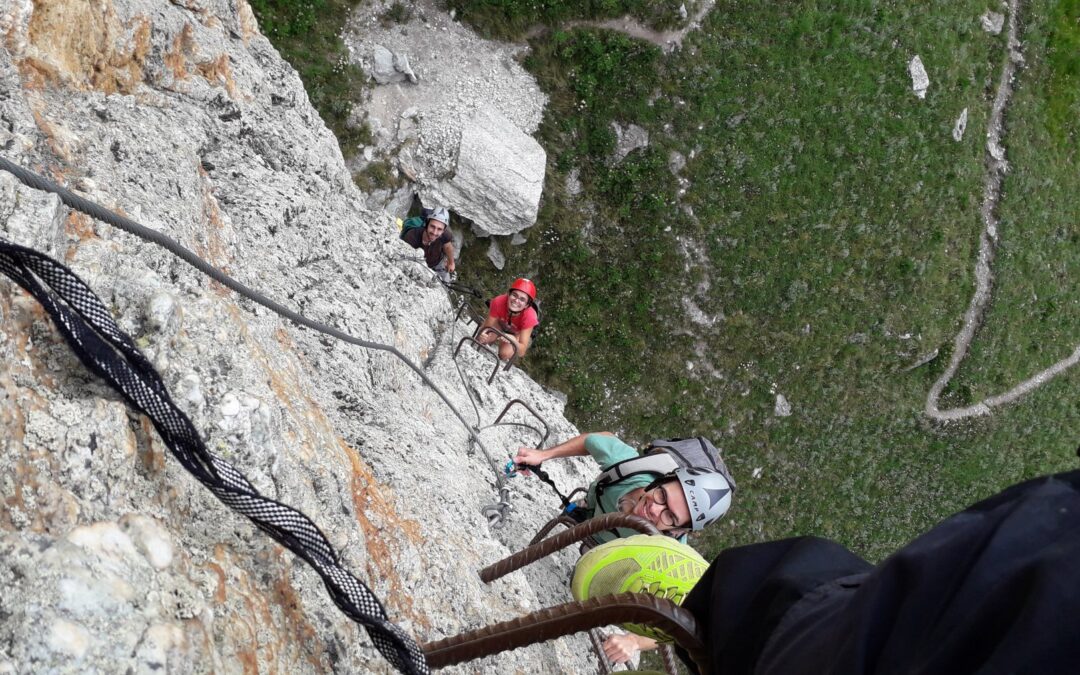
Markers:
point(433, 230)
point(664, 506)
point(518, 301)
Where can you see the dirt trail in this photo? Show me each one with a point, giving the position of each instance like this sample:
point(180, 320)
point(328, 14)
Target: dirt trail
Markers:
point(668, 40)
point(996, 166)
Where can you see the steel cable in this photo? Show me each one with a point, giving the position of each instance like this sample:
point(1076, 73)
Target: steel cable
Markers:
point(99, 212)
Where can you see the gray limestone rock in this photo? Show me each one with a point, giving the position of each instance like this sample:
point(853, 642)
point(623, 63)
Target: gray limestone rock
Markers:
point(992, 22)
point(112, 558)
point(783, 407)
point(389, 67)
point(498, 178)
point(676, 162)
point(573, 182)
point(960, 126)
point(627, 140)
point(495, 255)
point(460, 74)
point(920, 81)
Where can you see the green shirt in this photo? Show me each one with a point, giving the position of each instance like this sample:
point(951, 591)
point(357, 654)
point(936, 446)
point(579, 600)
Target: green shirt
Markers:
point(608, 450)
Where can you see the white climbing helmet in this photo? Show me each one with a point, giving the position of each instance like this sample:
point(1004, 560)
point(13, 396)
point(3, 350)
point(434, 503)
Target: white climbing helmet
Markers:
point(441, 214)
point(708, 495)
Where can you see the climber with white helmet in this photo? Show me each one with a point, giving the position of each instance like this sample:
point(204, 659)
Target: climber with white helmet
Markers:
point(430, 231)
point(679, 485)
point(514, 315)
point(676, 499)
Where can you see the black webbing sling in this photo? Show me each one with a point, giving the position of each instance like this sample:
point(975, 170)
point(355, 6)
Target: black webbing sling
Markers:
point(106, 350)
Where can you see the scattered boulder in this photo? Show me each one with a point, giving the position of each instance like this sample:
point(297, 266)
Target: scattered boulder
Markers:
point(389, 67)
point(495, 255)
point(573, 182)
point(992, 22)
point(960, 126)
point(783, 408)
point(498, 178)
point(920, 81)
point(676, 162)
point(627, 140)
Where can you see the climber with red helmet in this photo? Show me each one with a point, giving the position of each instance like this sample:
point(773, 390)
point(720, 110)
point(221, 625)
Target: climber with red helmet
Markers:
point(513, 313)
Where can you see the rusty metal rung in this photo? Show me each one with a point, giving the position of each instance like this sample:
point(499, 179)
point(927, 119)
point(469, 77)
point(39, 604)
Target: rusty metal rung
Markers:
point(597, 639)
point(567, 619)
point(482, 329)
point(561, 519)
point(561, 540)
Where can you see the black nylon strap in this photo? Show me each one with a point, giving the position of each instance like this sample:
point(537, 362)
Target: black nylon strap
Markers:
point(543, 475)
point(105, 349)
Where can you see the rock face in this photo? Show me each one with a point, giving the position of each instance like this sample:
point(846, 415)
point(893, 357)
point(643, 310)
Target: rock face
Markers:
point(112, 558)
point(498, 178)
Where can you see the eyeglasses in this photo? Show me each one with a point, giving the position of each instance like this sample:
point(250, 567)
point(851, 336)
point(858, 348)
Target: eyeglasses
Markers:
point(519, 296)
point(659, 496)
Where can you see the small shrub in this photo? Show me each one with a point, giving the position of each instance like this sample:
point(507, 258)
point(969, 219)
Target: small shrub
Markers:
point(377, 175)
point(396, 13)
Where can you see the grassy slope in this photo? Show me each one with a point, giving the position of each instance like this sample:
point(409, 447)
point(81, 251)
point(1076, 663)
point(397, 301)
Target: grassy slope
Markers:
point(838, 216)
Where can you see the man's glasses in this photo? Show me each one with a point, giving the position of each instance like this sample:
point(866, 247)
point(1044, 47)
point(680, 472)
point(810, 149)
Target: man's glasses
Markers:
point(659, 496)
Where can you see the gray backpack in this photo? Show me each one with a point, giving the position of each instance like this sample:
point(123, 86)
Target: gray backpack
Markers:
point(665, 455)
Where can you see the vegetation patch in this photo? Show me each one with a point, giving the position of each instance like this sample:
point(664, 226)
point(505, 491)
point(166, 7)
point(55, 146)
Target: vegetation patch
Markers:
point(377, 175)
point(307, 34)
point(398, 12)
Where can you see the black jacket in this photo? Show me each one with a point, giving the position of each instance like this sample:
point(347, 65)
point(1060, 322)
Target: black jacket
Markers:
point(992, 589)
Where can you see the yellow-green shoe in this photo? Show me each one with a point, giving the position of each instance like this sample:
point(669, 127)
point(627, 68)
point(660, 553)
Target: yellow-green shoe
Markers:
point(639, 564)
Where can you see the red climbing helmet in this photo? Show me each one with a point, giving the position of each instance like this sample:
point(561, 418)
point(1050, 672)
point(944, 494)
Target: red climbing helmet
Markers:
point(525, 286)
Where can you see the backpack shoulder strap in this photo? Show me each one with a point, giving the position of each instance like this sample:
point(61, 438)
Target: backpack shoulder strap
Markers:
point(657, 463)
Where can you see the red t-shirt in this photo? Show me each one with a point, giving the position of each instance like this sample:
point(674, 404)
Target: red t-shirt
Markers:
point(500, 309)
